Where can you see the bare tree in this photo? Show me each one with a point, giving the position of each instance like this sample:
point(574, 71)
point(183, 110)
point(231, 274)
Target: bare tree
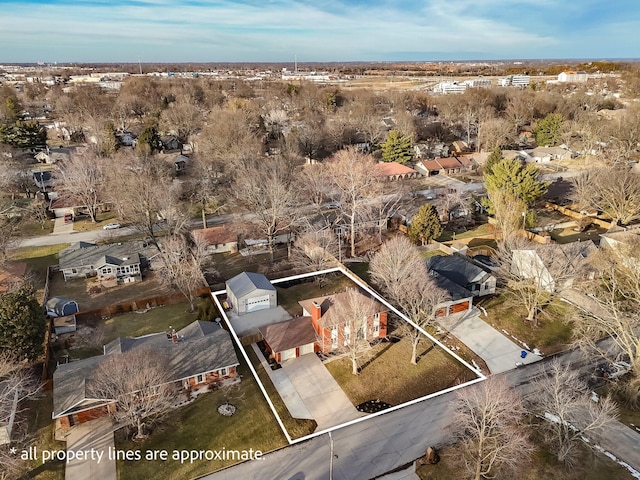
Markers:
point(83, 181)
point(350, 318)
point(489, 421)
point(494, 132)
point(564, 400)
point(137, 383)
point(400, 271)
point(182, 118)
point(615, 191)
point(616, 310)
point(355, 180)
point(182, 266)
point(267, 189)
point(536, 274)
point(317, 249)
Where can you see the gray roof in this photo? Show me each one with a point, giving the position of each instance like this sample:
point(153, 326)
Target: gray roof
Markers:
point(202, 347)
point(454, 291)
point(83, 254)
point(458, 269)
point(247, 282)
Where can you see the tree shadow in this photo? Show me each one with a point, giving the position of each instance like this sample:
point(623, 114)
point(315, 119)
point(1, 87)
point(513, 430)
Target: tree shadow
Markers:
point(377, 355)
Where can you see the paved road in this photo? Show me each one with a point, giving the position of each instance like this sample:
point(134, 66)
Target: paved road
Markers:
point(378, 445)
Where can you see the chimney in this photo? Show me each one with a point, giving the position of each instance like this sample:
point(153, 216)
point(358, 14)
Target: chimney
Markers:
point(316, 312)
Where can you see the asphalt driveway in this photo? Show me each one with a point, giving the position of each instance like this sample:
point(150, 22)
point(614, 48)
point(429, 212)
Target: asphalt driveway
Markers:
point(499, 353)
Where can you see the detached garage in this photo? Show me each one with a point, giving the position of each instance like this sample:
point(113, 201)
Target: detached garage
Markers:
point(250, 292)
point(289, 339)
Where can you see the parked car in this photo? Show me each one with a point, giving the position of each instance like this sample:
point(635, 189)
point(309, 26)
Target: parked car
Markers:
point(111, 226)
point(68, 217)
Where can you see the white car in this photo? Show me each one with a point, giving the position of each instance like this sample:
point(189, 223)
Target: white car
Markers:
point(111, 226)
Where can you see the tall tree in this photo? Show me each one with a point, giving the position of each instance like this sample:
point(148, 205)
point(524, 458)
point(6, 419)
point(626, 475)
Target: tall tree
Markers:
point(397, 148)
point(22, 323)
point(355, 180)
point(425, 225)
point(400, 271)
point(548, 131)
point(83, 181)
point(489, 421)
point(137, 381)
point(565, 401)
point(267, 189)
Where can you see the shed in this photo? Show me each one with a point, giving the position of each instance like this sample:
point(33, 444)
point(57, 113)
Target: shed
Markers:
point(60, 307)
point(66, 324)
point(249, 292)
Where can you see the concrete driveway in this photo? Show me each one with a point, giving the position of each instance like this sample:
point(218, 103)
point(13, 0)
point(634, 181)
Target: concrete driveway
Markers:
point(499, 353)
point(322, 396)
point(96, 435)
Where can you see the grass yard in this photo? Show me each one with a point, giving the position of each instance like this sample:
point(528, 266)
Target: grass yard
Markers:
point(296, 427)
point(569, 235)
point(361, 269)
point(552, 334)
point(78, 289)
point(390, 377)
point(289, 296)
point(198, 426)
point(229, 265)
point(479, 231)
point(31, 228)
point(38, 260)
point(40, 427)
point(590, 466)
point(84, 224)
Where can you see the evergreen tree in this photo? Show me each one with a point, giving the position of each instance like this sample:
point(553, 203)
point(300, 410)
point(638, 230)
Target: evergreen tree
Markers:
point(22, 323)
point(425, 225)
point(494, 157)
point(397, 148)
point(548, 131)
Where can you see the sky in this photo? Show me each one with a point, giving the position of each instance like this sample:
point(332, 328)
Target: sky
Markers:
point(316, 30)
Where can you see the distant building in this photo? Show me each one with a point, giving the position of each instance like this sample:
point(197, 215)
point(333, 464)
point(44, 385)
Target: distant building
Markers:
point(573, 76)
point(514, 81)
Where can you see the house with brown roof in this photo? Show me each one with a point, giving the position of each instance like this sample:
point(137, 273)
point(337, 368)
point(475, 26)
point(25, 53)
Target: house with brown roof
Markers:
point(289, 339)
point(395, 171)
point(217, 239)
point(444, 166)
point(330, 333)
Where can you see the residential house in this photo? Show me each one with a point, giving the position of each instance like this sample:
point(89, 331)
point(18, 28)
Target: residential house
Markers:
point(540, 264)
point(464, 272)
point(218, 239)
point(170, 143)
point(249, 292)
point(444, 166)
point(289, 339)
point(457, 299)
point(329, 334)
point(199, 355)
point(109, 261)
point(180, 163)
point(548, 154)
point(395, 171)
point(53, 155)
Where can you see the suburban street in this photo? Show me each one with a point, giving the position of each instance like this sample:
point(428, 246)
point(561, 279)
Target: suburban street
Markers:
point(376, 446)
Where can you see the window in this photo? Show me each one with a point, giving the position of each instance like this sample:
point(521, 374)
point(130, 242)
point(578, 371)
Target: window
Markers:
point(200, 378)
point(223, 372)
point(334, 337)
point(74, 270)
point(347, 334)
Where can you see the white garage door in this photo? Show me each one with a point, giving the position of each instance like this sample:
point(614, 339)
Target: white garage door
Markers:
point(308, 348)
point(257, 303)
point(287, 354)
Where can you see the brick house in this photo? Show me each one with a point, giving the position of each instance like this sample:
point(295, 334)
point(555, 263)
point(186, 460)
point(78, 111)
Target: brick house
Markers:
point(329, 335)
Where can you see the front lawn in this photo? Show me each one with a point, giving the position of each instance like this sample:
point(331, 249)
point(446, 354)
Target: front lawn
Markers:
point(551, 335)
point(390, 377)
point(198, 426)
point(84, 224)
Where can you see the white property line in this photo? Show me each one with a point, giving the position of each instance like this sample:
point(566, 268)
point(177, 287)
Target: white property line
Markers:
point(354, 278)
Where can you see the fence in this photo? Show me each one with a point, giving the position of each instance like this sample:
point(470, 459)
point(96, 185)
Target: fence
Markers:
point(97, 314)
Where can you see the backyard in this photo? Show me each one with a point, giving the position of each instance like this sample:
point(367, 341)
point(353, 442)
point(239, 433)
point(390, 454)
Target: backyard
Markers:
point(88, 340)
point(389, 376)
point(90, 295)
point(551, 335)
point(290, 294)
point(198, 426)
